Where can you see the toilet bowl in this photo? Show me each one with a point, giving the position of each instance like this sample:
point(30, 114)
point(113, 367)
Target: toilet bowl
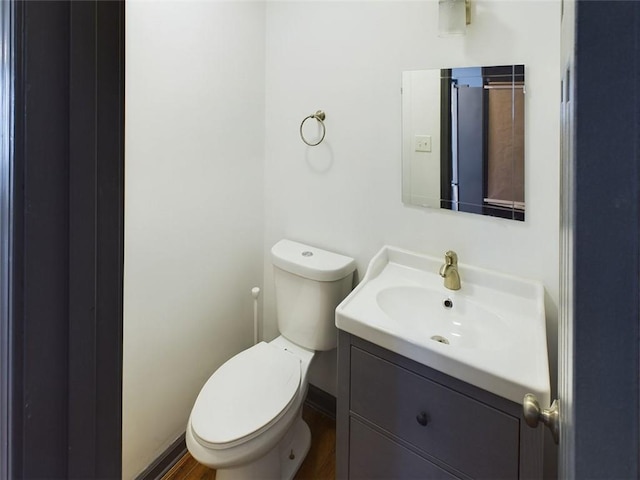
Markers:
point(247, 407)
point(246, 422)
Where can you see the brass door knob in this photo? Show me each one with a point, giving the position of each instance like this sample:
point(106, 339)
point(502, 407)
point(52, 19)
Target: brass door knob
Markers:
point(533, 415)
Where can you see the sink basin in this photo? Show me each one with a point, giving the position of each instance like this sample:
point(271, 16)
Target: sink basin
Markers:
point(491, 333)
point(449, 319)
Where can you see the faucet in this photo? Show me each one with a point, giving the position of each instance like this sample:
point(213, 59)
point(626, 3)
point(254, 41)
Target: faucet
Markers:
point(449, 271)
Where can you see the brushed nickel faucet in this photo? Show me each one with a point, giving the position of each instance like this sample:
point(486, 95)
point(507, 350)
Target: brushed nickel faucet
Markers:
point(449, 271)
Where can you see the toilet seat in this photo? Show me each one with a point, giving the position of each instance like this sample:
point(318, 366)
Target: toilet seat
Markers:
point(245, 396)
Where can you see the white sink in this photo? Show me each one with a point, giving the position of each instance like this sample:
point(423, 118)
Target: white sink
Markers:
point(425, 313)
point(491, 333)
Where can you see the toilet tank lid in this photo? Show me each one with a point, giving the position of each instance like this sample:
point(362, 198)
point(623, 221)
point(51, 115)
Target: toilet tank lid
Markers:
point(311, 262)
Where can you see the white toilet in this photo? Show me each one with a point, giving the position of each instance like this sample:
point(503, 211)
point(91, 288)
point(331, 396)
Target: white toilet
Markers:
point(246, 422)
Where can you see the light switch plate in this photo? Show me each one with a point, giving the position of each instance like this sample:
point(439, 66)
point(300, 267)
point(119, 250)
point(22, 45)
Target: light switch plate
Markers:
point(422, 143)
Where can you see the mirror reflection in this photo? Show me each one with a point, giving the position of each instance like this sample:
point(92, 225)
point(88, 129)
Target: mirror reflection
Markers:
point(463, 139)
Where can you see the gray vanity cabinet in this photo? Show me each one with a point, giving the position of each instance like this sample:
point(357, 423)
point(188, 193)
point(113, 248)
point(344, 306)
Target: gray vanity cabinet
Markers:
point(399, 419)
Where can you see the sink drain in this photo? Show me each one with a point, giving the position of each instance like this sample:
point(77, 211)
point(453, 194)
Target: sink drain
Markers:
point(440, 339)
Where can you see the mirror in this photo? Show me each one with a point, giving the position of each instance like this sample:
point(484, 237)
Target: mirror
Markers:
point(463, 139)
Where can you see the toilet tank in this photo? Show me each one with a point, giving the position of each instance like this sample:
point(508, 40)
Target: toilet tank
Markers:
point(309, 284)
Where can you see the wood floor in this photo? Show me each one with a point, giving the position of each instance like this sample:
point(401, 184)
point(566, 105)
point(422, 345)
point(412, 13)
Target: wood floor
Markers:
point(320, 463)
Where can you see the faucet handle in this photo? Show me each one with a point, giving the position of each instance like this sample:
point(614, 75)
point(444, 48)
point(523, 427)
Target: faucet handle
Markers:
point(451, 258)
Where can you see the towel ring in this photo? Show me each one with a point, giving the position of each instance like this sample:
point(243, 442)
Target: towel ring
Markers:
point(319, 116)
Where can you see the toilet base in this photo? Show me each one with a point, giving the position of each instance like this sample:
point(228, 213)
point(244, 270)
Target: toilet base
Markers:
point(280, 463)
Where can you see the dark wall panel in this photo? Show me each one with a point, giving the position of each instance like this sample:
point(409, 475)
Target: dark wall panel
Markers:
point(606, 279)
point(68, 221)
point(42, 155)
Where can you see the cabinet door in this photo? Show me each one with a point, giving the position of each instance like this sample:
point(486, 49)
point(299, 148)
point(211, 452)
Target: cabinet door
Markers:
point(375, 457)
point(468, 435)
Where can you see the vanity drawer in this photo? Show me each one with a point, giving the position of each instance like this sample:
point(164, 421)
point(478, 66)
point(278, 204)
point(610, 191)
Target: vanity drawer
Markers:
point(376, 457)
point(468, 435)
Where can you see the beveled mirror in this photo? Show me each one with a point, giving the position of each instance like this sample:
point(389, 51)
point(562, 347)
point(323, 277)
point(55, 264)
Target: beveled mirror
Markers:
point(463, 139)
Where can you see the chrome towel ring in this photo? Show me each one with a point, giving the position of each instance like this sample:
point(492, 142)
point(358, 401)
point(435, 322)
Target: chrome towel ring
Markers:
point(319, 116)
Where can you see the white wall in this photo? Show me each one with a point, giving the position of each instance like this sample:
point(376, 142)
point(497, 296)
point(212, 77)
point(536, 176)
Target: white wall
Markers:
point(193, 213)
point(421, 116)
point(345, 195)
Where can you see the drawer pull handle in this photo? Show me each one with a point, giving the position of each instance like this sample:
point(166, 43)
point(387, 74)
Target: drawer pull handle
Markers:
point(422, 419)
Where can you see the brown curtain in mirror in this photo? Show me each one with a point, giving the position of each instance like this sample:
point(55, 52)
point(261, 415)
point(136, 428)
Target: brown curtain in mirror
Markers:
point(505, 144)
